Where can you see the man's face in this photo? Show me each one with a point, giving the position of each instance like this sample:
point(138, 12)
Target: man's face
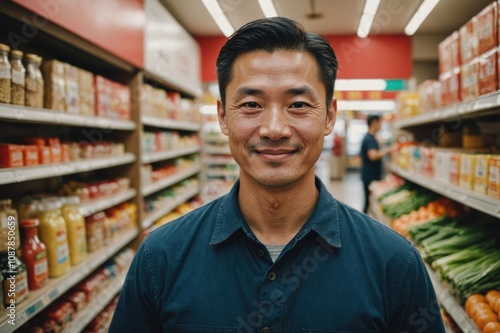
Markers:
point(275, 116)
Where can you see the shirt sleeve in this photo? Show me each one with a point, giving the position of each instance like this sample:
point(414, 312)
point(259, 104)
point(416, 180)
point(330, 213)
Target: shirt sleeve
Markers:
point(136, 310)
point(416, 308)
point(371, 143)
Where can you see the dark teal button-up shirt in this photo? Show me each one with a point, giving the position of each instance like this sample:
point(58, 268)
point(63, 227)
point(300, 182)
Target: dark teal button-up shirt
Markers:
point(343, 272)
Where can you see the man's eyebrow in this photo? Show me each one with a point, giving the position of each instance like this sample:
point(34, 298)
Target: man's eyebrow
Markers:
point(246, 91)
point(304, 90)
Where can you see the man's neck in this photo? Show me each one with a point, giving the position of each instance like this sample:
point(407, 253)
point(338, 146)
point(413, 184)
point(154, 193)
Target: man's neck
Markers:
point(276, 216)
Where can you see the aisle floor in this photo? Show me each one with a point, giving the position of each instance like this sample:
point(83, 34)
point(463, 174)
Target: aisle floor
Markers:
point(348, 190)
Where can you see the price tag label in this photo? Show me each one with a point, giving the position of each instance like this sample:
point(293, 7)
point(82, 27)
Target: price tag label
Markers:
point(21, 317)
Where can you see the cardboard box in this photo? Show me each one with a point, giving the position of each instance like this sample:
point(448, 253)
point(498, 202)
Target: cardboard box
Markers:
point(485, 28)
point(429, 93)
point(469, 48)
point(455, 168)
point(54, 85)
point(442, 165)
point(494, 177)
point(30, 155)
point(469, 80)
point(72, 104)
point(467, 171)
point(488, 63)
point(481, 173)
point(86, 92)
point(449, 53)
point(450, 87)
point(11, 156)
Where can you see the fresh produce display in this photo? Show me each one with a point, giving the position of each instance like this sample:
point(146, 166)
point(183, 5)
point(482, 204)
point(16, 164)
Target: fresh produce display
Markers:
point(404, 200)
point(465, 255)
point(485, 310)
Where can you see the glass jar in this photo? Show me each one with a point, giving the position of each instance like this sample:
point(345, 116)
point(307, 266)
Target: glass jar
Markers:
point(27, 209)
point(5, 74)
point(18, 78)
point(75, 224)
point(34, 255)
point(53, 234)
point(15, 279)
point(32, 84)
point(9, 232)
point(41, 82)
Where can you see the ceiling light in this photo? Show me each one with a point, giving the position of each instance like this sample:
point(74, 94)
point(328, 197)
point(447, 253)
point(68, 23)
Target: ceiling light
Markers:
point(267, 7)
point(382, 105)
point(220, 19)
point(423, 11)
point(365, 24)
point(360, 85)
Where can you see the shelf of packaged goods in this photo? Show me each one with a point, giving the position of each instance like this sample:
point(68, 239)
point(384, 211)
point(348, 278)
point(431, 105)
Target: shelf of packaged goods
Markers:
point(168, 181)
point(39, 299)
point(27, 114)
point(466, 197)
point(169, 124)
point(223, 173)
point(219, 161)
point(89, 208)
point(215, 139)
point(165, 155)
point(83, 318)
point(166, 80)
point(480, 106)
point(444, 297)
point(168, 207)
point(217, 150)
point(17, 175)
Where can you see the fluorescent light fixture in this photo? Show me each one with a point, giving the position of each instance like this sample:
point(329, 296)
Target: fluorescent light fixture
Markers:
point(420, 15)
point(360, 85)
point(219, 17)
point(267, 7)
point(381, 105)
point(208, 109)
point(365, 24)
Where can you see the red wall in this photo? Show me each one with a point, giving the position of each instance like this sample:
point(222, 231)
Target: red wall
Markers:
point(116, 26)
point(385, 57)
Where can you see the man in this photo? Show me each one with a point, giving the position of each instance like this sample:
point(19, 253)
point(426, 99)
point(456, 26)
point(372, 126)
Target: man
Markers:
point(278, 253)
point(371, 157)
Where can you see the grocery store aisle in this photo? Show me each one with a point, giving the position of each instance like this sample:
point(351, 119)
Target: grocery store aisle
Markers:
point(348, 190)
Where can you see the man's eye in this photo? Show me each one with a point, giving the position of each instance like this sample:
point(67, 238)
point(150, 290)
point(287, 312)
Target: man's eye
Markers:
point(251, 105)
point(298, 105)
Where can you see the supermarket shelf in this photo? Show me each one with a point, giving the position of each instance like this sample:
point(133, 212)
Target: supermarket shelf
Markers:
point(479, 106)
point(219, 161)
point(168, 181)
point(157, 214)
point(27, 114)
point(166, 80)
point(469, 198)
point(451, 305)
point(217, 150)
point(224, 173)
point(39, 299)
point(165, 155)
point(92, 207)
point(376, 212)
point(170, 124)
point(214, 139)
point(17, 175)
point(94, 308)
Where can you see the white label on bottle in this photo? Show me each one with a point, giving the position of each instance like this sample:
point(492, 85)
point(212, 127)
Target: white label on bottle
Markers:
point(61, 237)
point(18, 77)
point(41, 267)
point(21, 286)
point(5, 73)
point(62, 253)
point(5, 222)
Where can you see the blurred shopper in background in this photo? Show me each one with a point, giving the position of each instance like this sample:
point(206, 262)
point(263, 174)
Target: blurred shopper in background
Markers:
point(337, 168)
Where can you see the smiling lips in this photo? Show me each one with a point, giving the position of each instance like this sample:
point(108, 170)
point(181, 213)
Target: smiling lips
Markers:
point(275, 155)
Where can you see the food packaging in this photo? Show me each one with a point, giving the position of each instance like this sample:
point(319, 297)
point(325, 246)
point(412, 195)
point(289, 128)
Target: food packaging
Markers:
point(86, 92)
point(494, 177)
point(455, 168)
point(469, 48)
point(44, 155)
point(485, 28)
point(469, 80)
point(467, 171)
point(77, 298)
point(72, 104)
point(450, 87)
point(53, 76)
point(488, 81)
point(30, 155)
point(449, 53)
point(11, 156)
point(481, 173)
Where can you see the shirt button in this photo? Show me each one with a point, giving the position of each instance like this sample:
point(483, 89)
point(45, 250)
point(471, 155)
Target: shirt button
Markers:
point(261, 253)
point(266, 330)
point(271, 276)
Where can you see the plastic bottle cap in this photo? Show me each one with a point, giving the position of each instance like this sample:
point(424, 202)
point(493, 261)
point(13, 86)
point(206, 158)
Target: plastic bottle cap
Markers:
point(29, 223)
point(31, 56)
point(17, 53)
point(50, 204)
point(4, 47)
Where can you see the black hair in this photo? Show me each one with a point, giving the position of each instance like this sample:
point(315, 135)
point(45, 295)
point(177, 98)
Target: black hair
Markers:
point(371, 118)
point(273, 34)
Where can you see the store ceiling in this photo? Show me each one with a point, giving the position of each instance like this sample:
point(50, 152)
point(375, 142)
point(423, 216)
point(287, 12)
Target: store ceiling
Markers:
point(337, 17)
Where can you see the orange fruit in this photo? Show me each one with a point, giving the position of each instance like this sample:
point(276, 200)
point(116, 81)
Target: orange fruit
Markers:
point(484, 318)
point(492, 327)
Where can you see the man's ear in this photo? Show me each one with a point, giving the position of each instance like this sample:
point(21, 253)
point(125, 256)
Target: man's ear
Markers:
point(331, 116)
point(221, 115)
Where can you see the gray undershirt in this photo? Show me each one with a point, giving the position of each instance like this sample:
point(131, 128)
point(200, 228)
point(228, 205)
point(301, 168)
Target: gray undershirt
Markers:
point(275, 250)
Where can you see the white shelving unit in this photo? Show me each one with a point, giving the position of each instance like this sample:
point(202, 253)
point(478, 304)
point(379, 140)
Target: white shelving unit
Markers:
point(214, 150)
point(27, 114)
point(39, 299)
point(89, 208)
point(165, 155)
point(17, 175)
point(169, 181)
point(469, 198)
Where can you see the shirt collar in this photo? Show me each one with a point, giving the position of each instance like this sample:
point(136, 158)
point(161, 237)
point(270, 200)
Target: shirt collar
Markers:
point(324, 220)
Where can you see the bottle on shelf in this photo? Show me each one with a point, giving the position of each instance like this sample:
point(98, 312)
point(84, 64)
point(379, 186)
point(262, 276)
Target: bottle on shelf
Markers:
point(34, 255)
point(34, 82)
point(9, 229)
point(18, 78)
point(5, 74)
point(53, 234)
point(15, 279)
point(75, 225)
